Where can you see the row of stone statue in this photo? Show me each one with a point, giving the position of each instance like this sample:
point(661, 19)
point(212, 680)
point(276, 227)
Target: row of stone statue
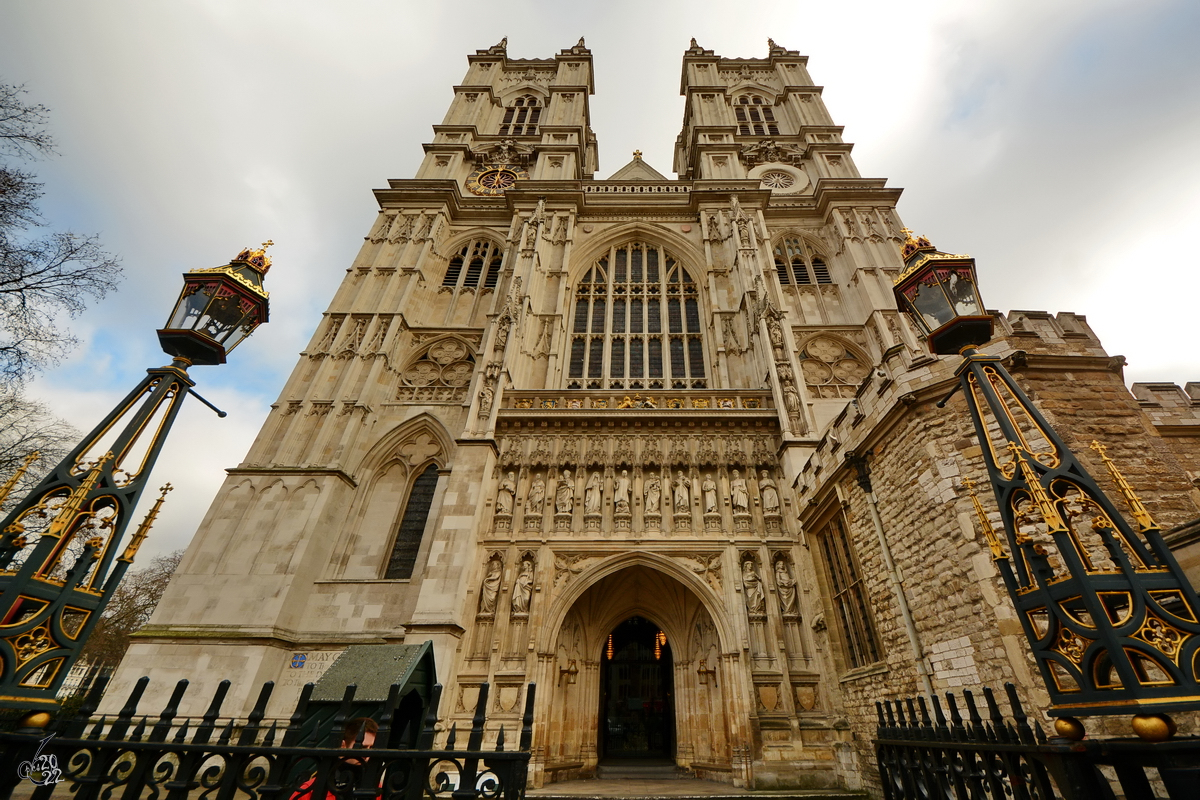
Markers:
point(522, 591)
point(680, 494)
point(753, 591)
point(755, 594)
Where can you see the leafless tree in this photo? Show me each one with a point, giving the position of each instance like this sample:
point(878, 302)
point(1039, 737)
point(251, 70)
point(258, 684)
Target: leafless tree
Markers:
point(128, 610)
point(27, 427)
point(44, 275)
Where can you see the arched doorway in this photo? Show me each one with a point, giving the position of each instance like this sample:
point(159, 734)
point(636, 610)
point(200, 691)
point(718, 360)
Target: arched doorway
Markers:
point(703, 710)
point(637, 693)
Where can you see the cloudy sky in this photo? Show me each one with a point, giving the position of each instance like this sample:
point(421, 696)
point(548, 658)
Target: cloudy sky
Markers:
point(1055, 141)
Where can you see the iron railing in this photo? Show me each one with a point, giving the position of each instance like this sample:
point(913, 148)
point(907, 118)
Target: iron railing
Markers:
point(172, 758)
point(998, 757)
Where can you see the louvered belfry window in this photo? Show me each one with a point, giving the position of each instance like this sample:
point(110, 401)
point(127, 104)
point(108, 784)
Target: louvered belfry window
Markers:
point(636, 323)
point(521, 118)
point(412, 525)
point(754, 116)
point(796, 264)
point(477, 261)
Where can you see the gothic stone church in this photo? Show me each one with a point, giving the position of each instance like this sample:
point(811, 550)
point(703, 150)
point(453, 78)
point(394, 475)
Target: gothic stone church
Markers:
point(602, 435)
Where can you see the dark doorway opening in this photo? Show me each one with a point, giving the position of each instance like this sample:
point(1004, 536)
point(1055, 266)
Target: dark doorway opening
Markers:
point(637, 708)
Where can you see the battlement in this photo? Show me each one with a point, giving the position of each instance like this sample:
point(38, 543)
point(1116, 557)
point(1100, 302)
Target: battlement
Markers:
point(1040, 329)
point(1168, 403)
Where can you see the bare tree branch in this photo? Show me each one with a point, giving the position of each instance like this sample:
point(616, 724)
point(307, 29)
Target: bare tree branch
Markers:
point(129, 609)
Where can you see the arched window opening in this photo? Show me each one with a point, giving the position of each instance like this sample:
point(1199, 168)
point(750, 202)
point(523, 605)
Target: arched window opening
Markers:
point(799, 265)
point(521, 118)
point(754, 116)
point(412, 525)
point(480, 258)
point(636, 323)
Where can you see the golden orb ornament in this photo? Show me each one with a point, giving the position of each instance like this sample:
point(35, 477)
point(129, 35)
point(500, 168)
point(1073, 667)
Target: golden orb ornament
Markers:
point(1154, 727)
point(1069, 728)
point(34, 719)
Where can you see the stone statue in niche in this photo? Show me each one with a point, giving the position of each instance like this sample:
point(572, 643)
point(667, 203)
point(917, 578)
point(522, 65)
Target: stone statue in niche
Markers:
point(537, 495)
point(738, 495)
point(752, 587)
point(593, 494)
point(523, 588)
point(785, 584)
point(491, 587)
point(683, 493)
point(507, 493)
point(501, 336)
point(564, 494)
point(653, 491)
point(709, 489)
point(621, 493)
point(770, 494)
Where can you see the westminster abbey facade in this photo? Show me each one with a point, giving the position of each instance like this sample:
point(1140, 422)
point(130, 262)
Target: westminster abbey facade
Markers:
point(663, 446)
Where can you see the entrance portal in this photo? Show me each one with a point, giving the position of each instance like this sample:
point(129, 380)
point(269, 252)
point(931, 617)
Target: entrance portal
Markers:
point(637, 714)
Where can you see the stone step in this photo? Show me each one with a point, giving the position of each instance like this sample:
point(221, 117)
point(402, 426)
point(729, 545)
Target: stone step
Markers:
point(678, 789)
point(647, 772)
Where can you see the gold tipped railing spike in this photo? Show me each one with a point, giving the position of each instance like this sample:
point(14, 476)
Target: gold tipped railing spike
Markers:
point(16, 476)
point(1140, 513)
point(66, 515)
point(1054, 521)
point(143, 530)
point(988, 531)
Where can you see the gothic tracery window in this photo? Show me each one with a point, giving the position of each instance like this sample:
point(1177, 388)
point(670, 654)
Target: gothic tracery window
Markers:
point(799, 265)
point(754, 116)
point(636, 323)
point(412, 525)
point(831, 369)
point(848, 594)
point(521, 118)
point(479, 260)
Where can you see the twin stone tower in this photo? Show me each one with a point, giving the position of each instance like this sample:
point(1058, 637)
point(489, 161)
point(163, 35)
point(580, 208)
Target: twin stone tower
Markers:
point(593, 434)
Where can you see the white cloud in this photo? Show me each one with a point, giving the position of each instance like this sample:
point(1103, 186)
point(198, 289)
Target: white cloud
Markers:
point(1052, 140)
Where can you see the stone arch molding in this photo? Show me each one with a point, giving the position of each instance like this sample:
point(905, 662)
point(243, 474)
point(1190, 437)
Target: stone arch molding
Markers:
point(561, 607)
point(385, 478)
point(585, 257)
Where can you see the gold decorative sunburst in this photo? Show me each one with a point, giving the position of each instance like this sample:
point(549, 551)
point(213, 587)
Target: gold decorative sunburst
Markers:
point(494, 180)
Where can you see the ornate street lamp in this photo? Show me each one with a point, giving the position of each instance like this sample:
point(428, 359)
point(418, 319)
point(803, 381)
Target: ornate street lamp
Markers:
point(1113, 622)
point(60, 556)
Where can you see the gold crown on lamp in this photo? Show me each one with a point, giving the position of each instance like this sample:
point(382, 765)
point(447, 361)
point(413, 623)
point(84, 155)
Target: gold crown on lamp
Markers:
point(257, 259)
point(913, 245)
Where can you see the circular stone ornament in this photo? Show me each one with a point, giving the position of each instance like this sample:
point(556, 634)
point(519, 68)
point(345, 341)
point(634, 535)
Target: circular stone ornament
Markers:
point(494, 180)
point(777, 180)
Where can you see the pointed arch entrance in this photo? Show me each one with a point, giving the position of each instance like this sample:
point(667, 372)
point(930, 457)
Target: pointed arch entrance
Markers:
point(682, 710)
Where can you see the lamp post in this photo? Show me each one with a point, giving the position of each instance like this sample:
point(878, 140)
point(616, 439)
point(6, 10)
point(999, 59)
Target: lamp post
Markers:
point(60, 548)
point(1113, 622)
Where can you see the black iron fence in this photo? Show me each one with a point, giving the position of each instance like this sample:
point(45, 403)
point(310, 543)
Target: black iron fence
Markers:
point(215, 758)
point(990, 755)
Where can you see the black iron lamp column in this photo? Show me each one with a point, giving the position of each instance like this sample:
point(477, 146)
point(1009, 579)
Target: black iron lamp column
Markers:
point(1113, 622)
point(60, 548)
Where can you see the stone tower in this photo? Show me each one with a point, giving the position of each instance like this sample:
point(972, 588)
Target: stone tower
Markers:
point(592, 433)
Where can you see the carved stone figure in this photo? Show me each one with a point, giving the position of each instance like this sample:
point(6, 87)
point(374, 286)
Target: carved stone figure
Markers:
point(537, 495)
point(486, 395)
point(593, 493)
point(653, 491)
point(507, 493)
point(683, 493)
point(752, 588)
point(791, 399)
point(491, 587)
point(621, 493)
point(501, 336)
point(523, 588)
point(738, 496)
point(564, 494)
point(709, 488)
point(785, 584)
point(770, 494)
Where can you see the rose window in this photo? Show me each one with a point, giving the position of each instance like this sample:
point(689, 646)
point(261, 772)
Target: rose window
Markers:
point(777, 180)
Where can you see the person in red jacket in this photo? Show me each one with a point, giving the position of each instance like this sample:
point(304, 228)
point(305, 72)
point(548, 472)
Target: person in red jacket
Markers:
point(365, 727)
